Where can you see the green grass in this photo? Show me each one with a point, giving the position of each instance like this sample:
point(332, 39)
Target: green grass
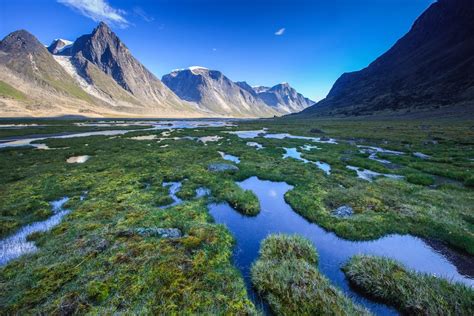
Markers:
point(422, 179)
point(8, 91)
point(410, 292)
point(286, 275)
point(135, 273)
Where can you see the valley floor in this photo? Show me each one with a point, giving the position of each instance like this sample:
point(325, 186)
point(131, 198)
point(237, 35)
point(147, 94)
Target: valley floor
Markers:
point(126, 245)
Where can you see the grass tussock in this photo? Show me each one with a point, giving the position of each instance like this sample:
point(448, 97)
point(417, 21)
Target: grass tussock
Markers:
point(287, 276)
point(410, 292)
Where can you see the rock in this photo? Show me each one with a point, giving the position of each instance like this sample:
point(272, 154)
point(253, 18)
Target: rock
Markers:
point(152, 232)
point(343, 212)
point(101, 245)
point(421, 155)
point(220, 167)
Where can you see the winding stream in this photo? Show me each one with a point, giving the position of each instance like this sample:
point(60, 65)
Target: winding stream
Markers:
point(174, 188)
point(17, 244)
point(295, 154)
point(277, 216)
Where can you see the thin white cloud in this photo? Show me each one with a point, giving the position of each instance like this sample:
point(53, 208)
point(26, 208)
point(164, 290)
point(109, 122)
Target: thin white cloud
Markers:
point(280, 31)
point(98, 10)
point(141, 13)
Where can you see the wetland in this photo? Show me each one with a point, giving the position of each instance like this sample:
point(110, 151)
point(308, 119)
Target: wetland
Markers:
point(99, 253)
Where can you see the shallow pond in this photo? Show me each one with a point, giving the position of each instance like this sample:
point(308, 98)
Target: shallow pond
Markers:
point(254, 144)
point(313, 139)
point(160, 125)
point(229, 157)
point(370, 175)
point(295, 154)
point(78, 159)
point(174, 188)
point(249, 134)
point(372, 151)
point(277, 216)
point(17, 245)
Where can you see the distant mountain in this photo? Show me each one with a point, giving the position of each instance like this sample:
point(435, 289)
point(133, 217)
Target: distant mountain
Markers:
point(60, 47)
point(432, 66)
point(41, 86)
point(215, 92)
point(260, 89)
point(105, 50)
point(281, 97)
point(96, 75)
point(284, 97)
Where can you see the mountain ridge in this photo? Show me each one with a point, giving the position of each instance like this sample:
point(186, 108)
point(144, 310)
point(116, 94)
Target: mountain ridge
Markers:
point(213, 90)
point(431, 66)
point(97, 75)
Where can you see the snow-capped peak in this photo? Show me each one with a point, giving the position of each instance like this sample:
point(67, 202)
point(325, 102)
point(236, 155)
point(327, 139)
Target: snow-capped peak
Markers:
point(59, 46)
point(66, 42)
point(197, 68)
point(193, 69)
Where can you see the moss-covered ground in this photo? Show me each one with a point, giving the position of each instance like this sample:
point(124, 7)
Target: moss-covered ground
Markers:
point(286, 274)
point(410, 292)
point(86, 265)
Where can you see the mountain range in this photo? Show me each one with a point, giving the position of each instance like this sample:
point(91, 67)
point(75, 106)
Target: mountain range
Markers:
point(96, 75)
point(429, 69)
point(214, 91)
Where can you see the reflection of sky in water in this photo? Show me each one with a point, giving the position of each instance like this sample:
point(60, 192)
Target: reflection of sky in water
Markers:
point(174, 188)
point(155, 126)
point(17, 245)
point(295, 154)
point(229, 157)
point(276, 216)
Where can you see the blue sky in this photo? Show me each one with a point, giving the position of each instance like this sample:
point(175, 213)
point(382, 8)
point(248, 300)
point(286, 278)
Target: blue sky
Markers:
point(306, 43)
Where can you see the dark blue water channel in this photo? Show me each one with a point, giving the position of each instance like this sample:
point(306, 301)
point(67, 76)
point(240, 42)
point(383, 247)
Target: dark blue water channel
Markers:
point(276, 216)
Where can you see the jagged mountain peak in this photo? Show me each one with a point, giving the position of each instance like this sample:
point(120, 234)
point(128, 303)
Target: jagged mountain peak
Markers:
point(259, 89)
point(284, 97)
point(102, 27)
point(19, 41)
point(211, 89)
point(60, 47)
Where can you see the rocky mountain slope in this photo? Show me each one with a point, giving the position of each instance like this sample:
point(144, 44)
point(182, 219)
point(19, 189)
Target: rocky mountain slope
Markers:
point(44, 86)
point(60, 47)
point(431, 67)
point(104, 49)
point(281, 96)
point(97, 75)
point(216, 92)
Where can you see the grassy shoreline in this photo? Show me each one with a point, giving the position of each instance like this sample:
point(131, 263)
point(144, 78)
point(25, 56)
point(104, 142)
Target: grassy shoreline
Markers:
point(286, 275)
point(410, 292)
point(124, 180)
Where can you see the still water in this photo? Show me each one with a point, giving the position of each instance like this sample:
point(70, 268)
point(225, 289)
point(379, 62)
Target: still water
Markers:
point(277, 216)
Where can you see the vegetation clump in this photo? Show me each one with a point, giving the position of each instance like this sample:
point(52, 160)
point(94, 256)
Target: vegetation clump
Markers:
point(86, 265)
point(286, 275)
point(421, 179)
point(410, 292)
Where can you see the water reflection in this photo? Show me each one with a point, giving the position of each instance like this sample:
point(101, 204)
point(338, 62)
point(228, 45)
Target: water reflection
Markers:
point(277, 216)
